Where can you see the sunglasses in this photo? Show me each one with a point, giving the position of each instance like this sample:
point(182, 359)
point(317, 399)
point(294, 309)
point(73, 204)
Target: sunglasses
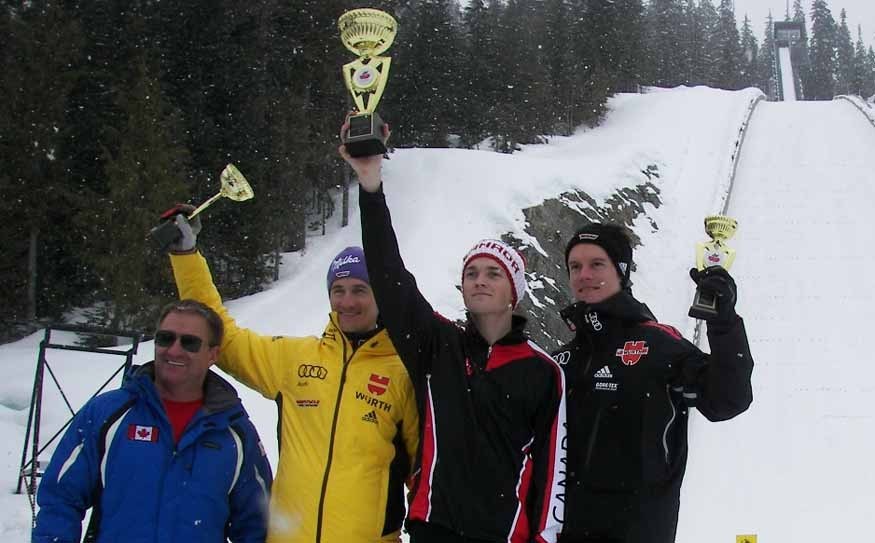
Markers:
point(166, 338)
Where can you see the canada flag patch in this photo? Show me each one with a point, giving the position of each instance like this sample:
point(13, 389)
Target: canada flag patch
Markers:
point(142, 433)
point(632, 351)
point(378, 384)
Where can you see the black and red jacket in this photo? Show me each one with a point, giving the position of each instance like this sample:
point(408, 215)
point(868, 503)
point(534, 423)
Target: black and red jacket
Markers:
point(491, 459)
point(630, 384)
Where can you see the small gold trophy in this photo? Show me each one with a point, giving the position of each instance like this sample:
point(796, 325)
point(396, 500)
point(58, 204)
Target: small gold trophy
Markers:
point(713, 253)
point(234, 187)
point(367, 33)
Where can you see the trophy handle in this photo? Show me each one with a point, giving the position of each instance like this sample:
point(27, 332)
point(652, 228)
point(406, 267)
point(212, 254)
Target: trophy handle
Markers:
point(204, 205)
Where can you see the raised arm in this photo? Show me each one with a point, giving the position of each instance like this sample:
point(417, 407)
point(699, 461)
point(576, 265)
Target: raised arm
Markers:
point(253, 359)
point(405, 313)
point(719, 384)
point(724, 382)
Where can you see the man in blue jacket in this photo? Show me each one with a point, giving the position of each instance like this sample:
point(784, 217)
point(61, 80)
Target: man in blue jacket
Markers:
point(169, 457)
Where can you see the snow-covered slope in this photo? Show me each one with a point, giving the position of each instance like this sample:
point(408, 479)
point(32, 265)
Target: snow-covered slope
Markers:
point(444, 200)
point(796, 466)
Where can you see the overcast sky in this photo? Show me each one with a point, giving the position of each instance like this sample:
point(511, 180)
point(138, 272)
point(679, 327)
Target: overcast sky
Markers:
point(860, 12)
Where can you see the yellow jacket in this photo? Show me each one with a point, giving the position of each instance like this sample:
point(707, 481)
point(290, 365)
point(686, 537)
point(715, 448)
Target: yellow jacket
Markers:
point(343, 416)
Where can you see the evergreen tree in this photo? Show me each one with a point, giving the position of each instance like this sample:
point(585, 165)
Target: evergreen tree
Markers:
point(524, 114)
point(862, 78)
point(319, 56)
point(824, 42)
point(728, 61)
point(711, 24)
point(589, 82)
point(560, 62)
point(429, 69)
point(481, 82)
point(844, 56)
point(767, 79)
point(629, 47)
point(664, 18)
point(798, 16)
point(605, 37)
point(802, 60)
point(869, 86)
point(144, 175)
point(290, 131)
point(750, 56)
point(702, 23)
point(276, 116)
point(40, 269)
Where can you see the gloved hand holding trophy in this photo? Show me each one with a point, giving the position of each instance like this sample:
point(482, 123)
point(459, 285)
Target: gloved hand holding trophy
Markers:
point(180, 224)
point(715, 289)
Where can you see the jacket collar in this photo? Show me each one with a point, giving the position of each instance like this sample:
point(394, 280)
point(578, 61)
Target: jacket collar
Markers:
point(517, 333)
point(219, 395)
point(596, 319)
point(378, 344)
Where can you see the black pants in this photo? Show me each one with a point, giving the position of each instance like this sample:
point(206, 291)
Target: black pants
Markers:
point(647, 516)
point(426, 532)
point(589, 539)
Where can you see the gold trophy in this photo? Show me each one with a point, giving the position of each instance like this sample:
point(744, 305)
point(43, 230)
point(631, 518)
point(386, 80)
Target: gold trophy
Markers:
point(713, 253)
point(234, 187)
point(367, 33)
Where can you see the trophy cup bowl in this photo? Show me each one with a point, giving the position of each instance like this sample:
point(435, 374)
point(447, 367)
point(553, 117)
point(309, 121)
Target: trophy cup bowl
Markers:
point(367, 33)
point(720, 227)
point(234, 186)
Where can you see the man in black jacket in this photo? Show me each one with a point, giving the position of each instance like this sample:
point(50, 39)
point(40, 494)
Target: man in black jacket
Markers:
point(630, 383)
point(491, 402)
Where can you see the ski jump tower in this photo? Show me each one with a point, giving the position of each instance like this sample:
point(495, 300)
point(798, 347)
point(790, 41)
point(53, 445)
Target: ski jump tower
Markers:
point(789, 58)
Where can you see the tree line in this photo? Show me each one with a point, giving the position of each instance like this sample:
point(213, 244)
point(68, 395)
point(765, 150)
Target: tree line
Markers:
point(114, 110)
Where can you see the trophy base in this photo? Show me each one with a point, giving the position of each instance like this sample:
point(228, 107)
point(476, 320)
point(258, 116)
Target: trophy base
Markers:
point(365, 135)
point(704, 305)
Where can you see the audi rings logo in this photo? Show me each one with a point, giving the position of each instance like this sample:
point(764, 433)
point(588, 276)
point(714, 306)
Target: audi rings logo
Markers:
point(563, 358)
point(308, 371)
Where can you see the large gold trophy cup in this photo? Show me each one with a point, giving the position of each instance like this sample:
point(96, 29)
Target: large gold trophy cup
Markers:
point(367, 33)
point(713, 253)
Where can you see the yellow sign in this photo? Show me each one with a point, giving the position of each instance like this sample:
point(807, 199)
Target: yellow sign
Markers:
point(746, 539)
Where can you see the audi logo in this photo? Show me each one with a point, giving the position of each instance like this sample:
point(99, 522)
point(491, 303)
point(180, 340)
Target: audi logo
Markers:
point(563, 358)
point(312, 372)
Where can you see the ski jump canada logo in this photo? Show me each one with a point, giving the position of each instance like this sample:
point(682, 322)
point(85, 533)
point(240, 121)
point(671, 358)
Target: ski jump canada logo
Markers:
point(632, 352)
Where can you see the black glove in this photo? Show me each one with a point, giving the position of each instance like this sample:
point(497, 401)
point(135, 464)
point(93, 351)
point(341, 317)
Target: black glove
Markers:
point(717, 280)
point(176, 233)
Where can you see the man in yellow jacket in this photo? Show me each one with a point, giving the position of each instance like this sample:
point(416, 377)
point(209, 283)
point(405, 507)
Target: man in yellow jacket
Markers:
point(348, 425)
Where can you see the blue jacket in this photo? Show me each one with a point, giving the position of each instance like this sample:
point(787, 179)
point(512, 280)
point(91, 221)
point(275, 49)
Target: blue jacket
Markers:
point(119, 456)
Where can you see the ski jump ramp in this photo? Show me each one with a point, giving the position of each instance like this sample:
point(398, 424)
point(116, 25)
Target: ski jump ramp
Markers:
point(788, 87)
point(798, 465)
